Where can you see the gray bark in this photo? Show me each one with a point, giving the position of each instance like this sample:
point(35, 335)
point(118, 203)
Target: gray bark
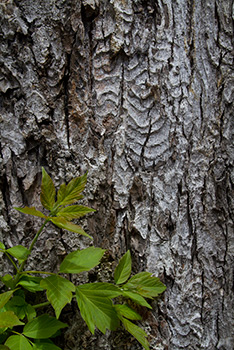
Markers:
point(140, 94)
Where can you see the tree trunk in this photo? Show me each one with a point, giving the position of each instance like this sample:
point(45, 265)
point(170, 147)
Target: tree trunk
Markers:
point(140, 94)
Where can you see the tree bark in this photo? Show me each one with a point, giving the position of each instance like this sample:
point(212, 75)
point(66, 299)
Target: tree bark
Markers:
point(140, 94)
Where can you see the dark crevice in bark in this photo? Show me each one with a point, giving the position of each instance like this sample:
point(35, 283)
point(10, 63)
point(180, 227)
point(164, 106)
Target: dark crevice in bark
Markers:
point(216, 12)
point(201, 112)
point(171, 58)
point(66, 92)
point(229, 193)
point(66, 96)
point(191, 6)
point(203, 196)
point(202, 296)
point(19, 180)
point(232, 16)
point(217, 331)
point(191, 55)
point(20, 7)
point(191, 42)
point(126, 233)
point(141, 161)
point(152, 204)
point(168, 280)
point(225, 255)
point(6, 197)
point(221, 127)
point(192, 230)
point(121, 110)
point(88, 16)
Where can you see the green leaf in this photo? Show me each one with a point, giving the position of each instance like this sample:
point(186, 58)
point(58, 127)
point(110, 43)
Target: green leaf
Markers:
point(31, 211)
point(137, 332)
point(74, 212)
point(67, 225)
point(31, 283)
point(47, 191)
point(96, 310)
point(9, 319)
point(70, 193)
point(4, 347)
point(101, 289)
point(18, 342)
point(59, 292)
point(61, 193)
point(4, 333)
point(4, 297)
point(82, 260)
point(127, 311)
point(138, 299)
point(30, 312)
point(8, 281)
point(146, 285)
point(45, 345)
point(43, 327)
point(19, 252)
point(18, 305)
point(2, 246)
point(124, 268)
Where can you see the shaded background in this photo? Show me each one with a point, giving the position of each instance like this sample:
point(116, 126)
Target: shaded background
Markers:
point(140, 94)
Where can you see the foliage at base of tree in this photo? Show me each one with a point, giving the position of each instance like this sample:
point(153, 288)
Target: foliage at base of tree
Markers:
point(22, 328)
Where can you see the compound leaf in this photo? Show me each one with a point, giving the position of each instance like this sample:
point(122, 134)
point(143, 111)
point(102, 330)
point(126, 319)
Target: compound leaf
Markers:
point(47, 191)
point(43, 327)
point(137, 332)
point(18, 342)
point(82, 260)
point(74, 212)
point(9, 319)
point(67, 225)
point(124, 268)
point(70, 193)
point(59, 292)
point(96, 310)
point(31, 211)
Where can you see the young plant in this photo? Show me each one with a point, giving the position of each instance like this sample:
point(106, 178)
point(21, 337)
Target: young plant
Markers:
point(22, 328)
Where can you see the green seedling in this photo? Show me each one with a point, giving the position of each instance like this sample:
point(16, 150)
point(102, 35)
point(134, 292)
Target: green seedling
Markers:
point(102, 305)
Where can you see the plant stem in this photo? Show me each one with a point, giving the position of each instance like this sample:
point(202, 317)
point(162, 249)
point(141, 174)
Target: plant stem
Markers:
point(46, 303)
point(40, 272)
point(36, 238)
point(12, 261)
point(17, 277)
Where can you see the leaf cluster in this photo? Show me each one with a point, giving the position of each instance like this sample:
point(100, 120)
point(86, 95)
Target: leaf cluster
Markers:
point(98, 302)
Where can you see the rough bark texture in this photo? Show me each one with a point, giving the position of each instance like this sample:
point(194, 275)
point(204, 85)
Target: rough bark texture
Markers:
point(140, 94)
